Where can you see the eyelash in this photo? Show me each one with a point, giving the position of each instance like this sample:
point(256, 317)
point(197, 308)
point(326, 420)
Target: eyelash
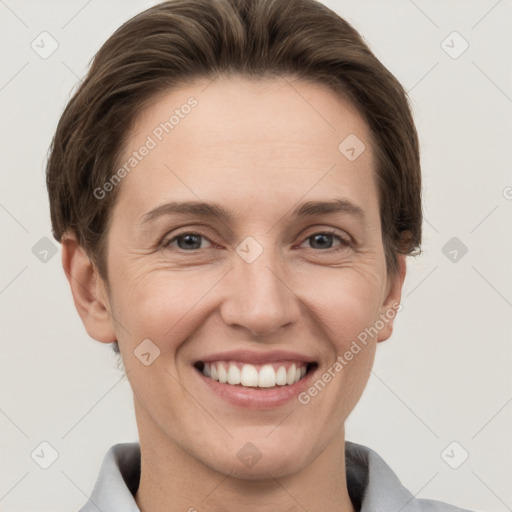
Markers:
point(344, 243)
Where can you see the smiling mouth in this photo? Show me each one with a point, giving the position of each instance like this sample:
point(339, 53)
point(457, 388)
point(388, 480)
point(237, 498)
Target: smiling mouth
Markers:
point(270, 375)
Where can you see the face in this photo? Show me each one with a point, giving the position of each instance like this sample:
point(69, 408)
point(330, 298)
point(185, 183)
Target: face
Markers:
point(272, 282)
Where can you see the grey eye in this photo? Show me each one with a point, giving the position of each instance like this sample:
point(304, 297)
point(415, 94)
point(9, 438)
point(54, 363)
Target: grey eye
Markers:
point(321, 240)
point(187, 241)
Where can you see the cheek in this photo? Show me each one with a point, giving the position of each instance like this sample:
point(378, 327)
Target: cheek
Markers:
point(344, 301)
point(161, 305)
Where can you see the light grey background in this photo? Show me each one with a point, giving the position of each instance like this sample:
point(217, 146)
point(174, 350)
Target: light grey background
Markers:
point(444, 376)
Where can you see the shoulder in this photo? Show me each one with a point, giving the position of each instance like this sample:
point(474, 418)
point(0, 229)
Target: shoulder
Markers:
point(425, 505)
point(117, 481)
point(374, 487)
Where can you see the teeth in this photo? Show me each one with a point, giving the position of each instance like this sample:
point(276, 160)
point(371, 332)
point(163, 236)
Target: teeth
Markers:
point(290, 379)
point(250, 376)
point(281, 376)
point(233, 374)
point(223, 374)
point(267, 377)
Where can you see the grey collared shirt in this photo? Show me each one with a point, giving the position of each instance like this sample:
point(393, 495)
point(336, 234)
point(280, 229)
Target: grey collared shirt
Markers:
point(372, 485)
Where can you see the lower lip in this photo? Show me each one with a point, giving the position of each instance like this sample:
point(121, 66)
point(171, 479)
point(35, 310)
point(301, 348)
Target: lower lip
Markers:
point(257, 398)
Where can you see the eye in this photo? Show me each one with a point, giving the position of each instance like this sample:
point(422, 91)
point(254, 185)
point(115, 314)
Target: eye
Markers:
point(191, 241)
point(324, 240)
point(187, 241)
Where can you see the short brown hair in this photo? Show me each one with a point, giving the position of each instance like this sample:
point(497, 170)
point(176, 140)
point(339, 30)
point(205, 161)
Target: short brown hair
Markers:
point(179, 41)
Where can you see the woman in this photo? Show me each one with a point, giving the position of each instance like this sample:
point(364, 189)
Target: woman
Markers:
point(236, 185)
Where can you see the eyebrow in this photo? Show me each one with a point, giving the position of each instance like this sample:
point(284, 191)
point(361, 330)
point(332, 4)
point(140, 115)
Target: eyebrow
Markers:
point(215, 211)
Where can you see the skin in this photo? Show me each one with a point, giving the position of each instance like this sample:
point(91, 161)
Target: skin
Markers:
point(258, 148)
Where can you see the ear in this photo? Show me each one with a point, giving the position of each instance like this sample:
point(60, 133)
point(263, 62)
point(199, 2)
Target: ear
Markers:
point(88, 289)
point(391, 305)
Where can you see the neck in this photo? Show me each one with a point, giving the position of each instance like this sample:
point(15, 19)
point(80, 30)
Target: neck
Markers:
point(172, 480)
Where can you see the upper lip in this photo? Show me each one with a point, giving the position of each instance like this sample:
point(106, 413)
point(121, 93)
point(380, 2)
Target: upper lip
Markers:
point(252, 357)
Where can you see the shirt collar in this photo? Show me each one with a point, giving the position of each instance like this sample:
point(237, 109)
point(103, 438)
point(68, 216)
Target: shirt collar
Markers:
point(372, 485)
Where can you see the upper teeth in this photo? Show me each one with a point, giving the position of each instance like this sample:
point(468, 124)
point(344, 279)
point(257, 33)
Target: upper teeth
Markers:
point(266, 376)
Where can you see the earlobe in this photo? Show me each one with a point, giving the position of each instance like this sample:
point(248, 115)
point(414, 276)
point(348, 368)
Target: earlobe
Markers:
point(391, 305)
point(87, 288)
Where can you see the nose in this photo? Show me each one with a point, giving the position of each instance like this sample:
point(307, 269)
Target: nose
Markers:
point(260, 297)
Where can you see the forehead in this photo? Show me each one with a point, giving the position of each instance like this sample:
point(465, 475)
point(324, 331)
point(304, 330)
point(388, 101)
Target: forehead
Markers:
point(265, 139)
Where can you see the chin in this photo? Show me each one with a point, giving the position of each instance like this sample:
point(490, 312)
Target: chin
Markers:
point(262, 458)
